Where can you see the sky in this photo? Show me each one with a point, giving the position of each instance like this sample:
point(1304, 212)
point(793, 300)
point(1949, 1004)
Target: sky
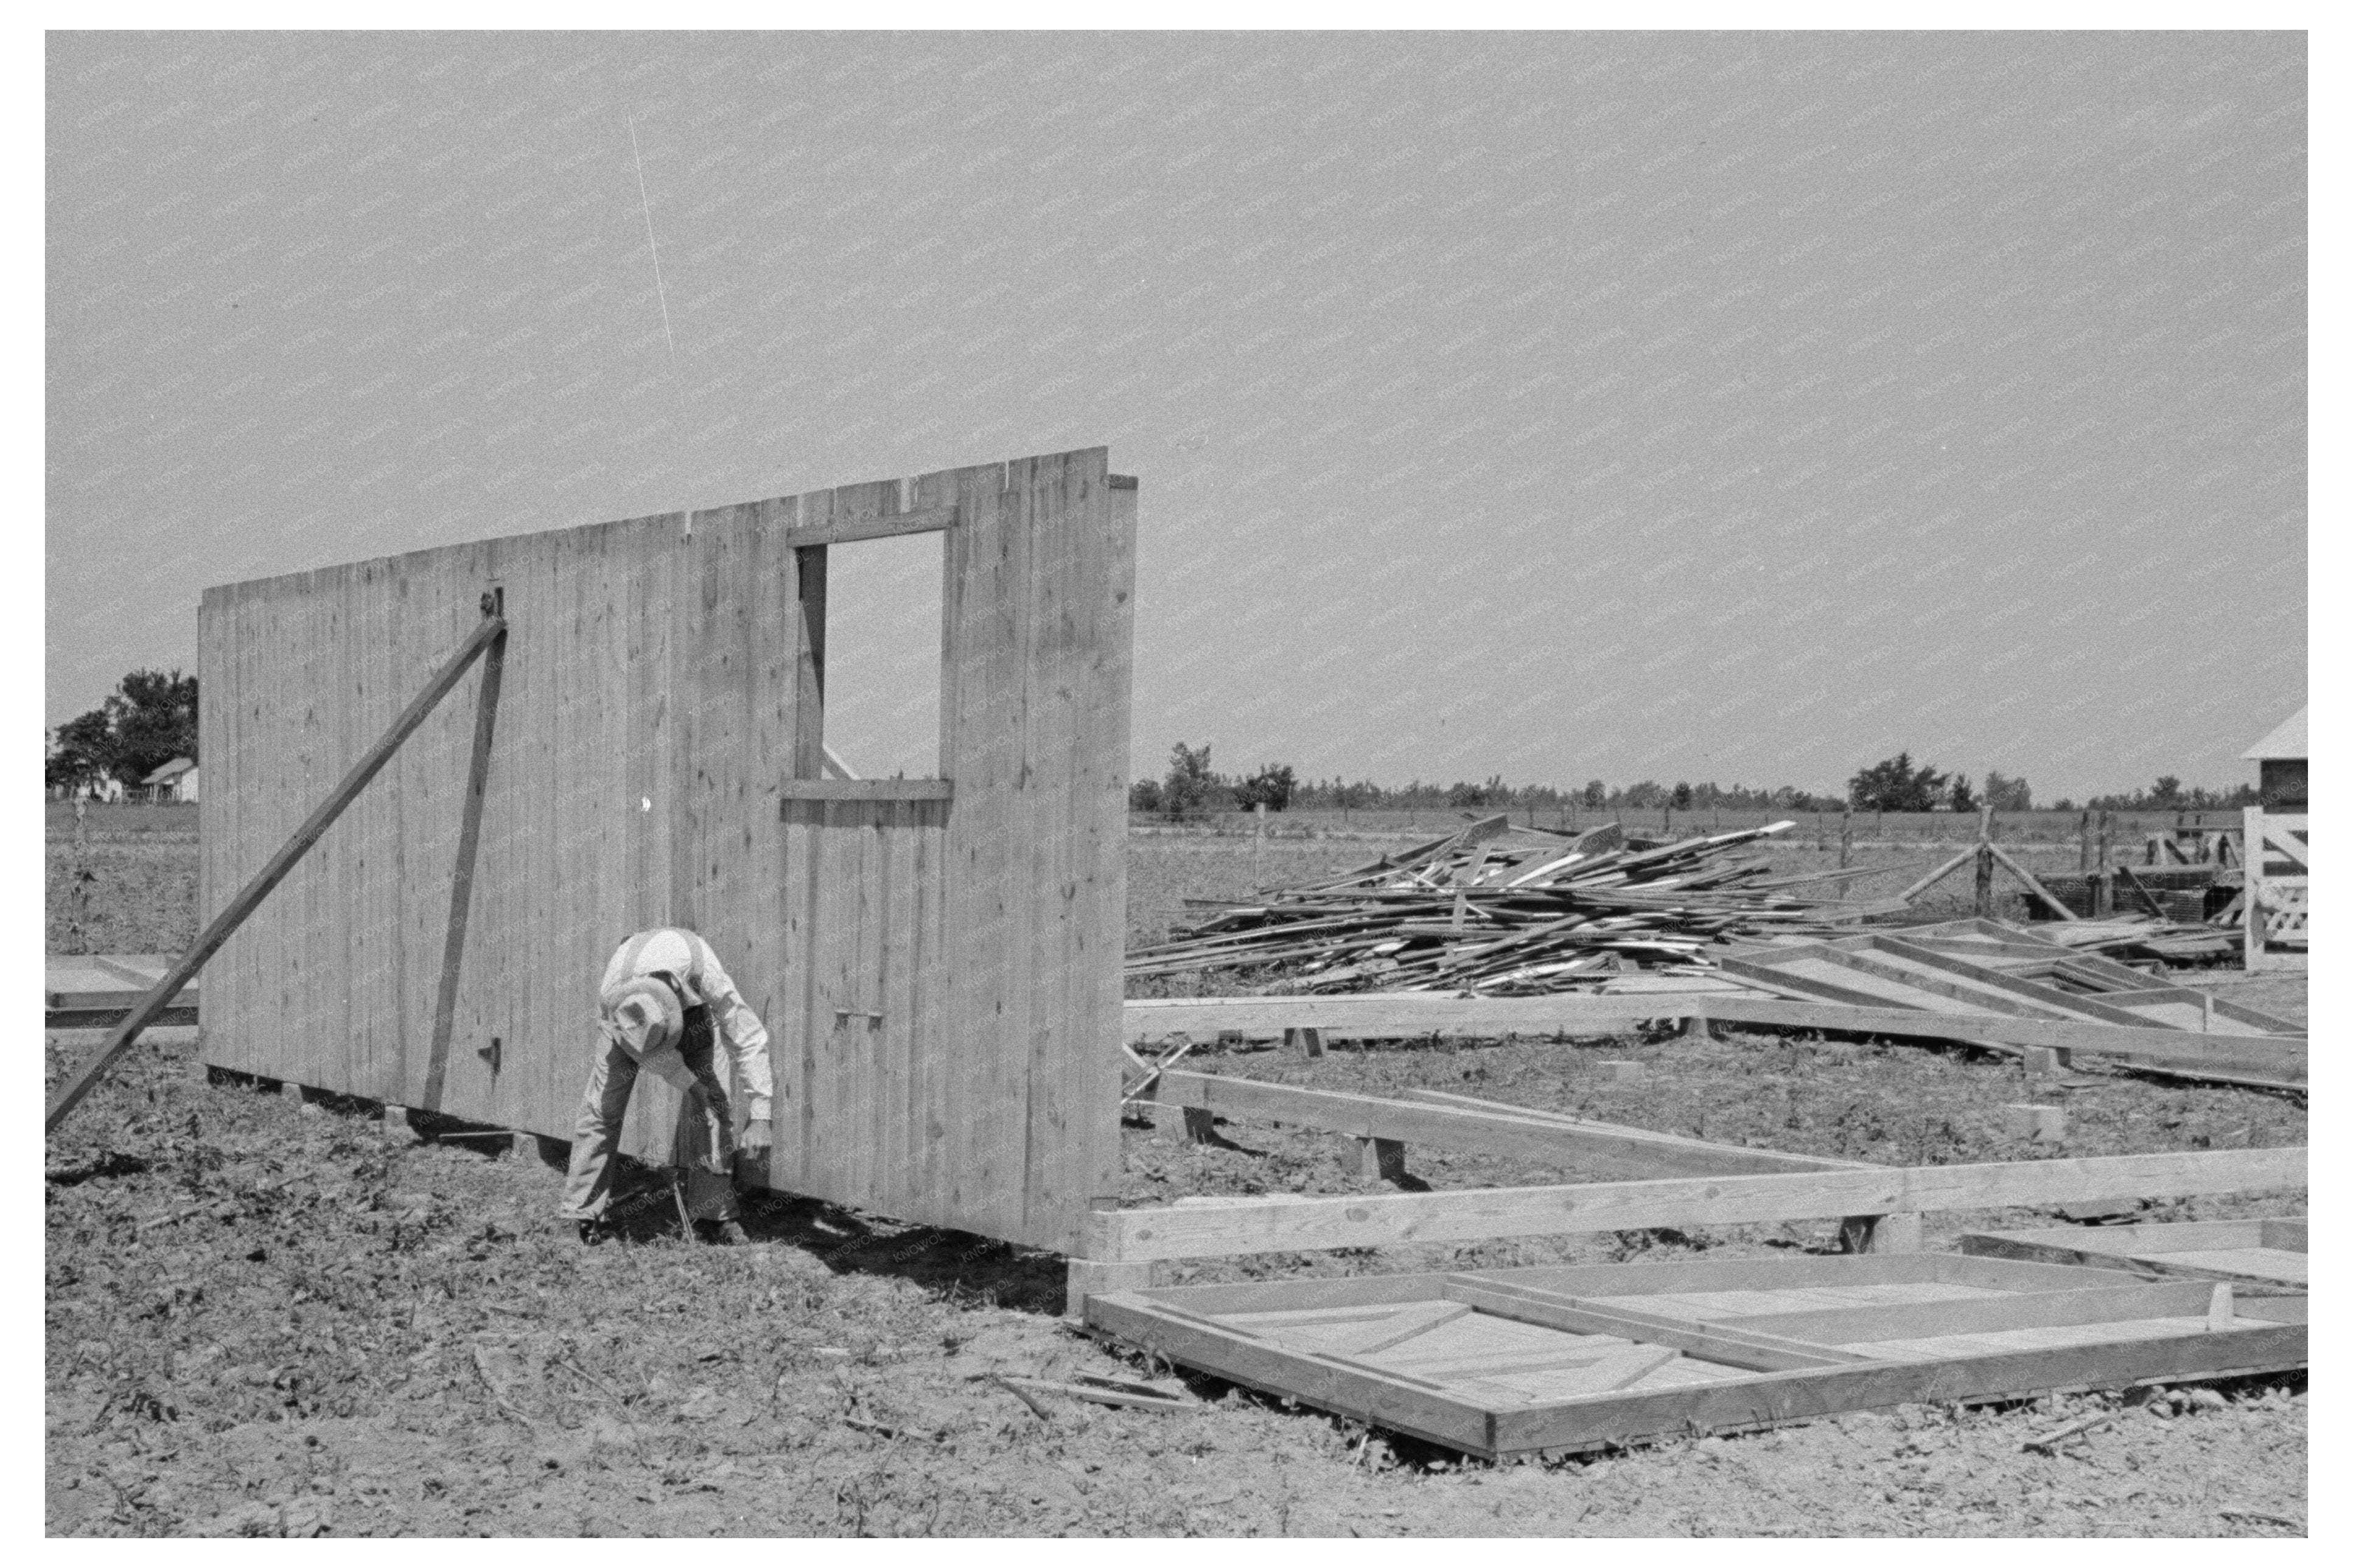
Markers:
point(1725, 407)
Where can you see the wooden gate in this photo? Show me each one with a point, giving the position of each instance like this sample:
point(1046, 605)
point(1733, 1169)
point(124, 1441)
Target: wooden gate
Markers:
point(2278, 898)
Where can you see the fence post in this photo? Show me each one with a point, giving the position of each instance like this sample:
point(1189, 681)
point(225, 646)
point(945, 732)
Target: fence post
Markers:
point(1846, 835)
point(2251, 893)
point(1985, 861)
point(76, 928)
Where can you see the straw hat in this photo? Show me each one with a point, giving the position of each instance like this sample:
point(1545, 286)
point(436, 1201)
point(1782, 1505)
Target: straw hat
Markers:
point(644, 1017)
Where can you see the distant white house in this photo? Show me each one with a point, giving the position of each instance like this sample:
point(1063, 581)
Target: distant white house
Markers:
point(176, 780)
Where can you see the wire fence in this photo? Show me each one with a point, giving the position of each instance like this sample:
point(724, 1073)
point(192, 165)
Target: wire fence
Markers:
point(2127, 831)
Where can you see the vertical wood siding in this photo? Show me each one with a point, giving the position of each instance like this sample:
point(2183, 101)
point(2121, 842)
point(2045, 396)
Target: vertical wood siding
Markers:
point(940, 979)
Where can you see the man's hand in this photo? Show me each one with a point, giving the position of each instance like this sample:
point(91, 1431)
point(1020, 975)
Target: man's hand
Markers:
point(758, 1138)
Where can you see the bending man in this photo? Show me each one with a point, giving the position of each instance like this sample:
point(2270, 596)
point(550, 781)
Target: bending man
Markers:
point(664, 996)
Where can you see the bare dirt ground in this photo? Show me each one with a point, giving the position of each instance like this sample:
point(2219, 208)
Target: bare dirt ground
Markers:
point(267, 1319)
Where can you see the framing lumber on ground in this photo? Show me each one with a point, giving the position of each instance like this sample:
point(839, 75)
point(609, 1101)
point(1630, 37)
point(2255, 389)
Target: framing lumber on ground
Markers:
point(938, 960)
point(1569, 1357)
point(1397, 1014)
point(2268, 1251)
point(1534, 1135)
point(1232, 1226)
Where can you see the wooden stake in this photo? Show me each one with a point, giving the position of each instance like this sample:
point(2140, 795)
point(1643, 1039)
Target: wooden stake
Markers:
point(1379, 1159)
point(1846, 836)
point(250, 897)
point(2221, 1308)
point(2103, 897)
point(2039, 1060)
point(1984, 904)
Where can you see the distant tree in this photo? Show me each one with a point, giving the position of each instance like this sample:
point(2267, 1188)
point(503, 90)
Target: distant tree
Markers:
point(153, 717)
point(1273, 785)
point(1143, 795)
point(1645, 794)
point(2063, 803)
point(1895, 784)
point(1495, 792)
point(2005, 794)
point(1958, 795)
point(1596, 794)
point(1190, 781)
point(2167, 793)
point(82, 752)
point(149, 719)
point(1681, 799)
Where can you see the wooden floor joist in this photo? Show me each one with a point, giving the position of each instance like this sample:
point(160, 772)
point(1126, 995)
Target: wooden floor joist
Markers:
point(1543, 1139)
point(1399, 1015)
point(2272, 1251)
point(1225, 1227)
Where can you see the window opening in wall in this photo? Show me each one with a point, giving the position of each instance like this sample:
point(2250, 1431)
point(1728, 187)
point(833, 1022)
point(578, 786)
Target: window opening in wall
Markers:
point(882, 655)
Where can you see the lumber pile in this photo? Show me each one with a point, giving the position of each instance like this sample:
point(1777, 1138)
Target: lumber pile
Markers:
point(2147, 938)
point(1496, 911)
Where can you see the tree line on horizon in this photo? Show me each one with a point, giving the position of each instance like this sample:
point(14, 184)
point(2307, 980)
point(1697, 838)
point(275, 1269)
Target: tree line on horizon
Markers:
point(1191, 787)
point(150, 718)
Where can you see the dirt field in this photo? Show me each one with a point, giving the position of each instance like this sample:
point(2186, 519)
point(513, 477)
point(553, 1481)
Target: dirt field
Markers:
point(264, 1319)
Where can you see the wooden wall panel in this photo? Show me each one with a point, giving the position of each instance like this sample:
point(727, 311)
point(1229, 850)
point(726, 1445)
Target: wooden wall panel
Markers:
point(940, 978)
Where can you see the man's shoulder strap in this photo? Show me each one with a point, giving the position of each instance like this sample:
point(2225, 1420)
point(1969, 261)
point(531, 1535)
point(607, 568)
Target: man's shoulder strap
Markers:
point(634, 948)
point(699, 956)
